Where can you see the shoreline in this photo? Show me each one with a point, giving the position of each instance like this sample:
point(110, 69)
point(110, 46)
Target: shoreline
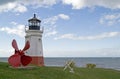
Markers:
point(103, 62)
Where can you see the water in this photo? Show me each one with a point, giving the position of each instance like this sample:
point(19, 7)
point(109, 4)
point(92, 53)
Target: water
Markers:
point(101, 62)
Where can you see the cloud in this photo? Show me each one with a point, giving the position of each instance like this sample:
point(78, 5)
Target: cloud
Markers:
point(110, 19)
point(105, 52)
point(63, 16)
point(50, 24)
point(13, 6)
point(20, 8)
point(76, 4)
point(52, 20)
point(6, 1)
point(54, 32)
point(17, 30)
point(21, 5)
point(13, 23)
point(50, 31)
point(80, 4)
point(6, 53)
point(39, 3)
point(66, 36)
point(96, 37)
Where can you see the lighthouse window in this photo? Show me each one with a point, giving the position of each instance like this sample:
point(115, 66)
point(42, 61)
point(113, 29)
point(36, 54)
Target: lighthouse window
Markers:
point(30, 23)
point(39, 39)
point(40, 52)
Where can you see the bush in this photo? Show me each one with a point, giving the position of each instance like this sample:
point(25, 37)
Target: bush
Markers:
point(89, 65)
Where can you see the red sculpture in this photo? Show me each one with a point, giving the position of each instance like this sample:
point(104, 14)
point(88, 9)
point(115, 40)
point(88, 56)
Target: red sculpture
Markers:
point(19, 58)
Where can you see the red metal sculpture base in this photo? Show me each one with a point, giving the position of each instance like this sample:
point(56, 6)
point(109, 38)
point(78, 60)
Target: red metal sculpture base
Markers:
point(19, 58)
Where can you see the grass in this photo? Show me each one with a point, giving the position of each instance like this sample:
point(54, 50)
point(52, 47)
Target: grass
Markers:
point(56, 73)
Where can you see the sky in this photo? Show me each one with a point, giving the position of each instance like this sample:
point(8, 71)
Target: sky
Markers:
point(72, 28)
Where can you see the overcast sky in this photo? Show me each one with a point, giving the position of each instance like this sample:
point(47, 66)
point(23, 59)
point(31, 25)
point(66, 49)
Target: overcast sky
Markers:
point(72, 28)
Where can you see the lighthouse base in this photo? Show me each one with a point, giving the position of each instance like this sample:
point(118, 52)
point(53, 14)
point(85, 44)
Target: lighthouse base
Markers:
point(39, 61)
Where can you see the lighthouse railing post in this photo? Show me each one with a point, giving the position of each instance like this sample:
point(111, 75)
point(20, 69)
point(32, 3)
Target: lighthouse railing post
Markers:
point(42, 30)
point(26, 28)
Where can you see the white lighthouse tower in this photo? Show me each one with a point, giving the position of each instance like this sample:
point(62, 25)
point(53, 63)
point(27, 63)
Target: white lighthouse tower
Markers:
point(34, 36)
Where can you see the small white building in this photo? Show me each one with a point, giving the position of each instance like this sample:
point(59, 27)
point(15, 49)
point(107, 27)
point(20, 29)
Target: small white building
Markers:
point(34, 36)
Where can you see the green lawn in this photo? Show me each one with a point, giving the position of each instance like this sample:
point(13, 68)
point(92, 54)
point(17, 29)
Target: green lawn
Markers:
point(56, 73)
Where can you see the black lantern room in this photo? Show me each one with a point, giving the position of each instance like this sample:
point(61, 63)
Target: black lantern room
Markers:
point(34, 23)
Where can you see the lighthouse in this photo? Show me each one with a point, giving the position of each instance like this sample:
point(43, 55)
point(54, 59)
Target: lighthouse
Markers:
point(34, 36)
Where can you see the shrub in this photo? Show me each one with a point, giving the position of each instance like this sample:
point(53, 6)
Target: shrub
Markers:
point(89, 65)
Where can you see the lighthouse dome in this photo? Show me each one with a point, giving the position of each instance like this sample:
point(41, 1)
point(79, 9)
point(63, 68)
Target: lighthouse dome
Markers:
point(34, 19)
